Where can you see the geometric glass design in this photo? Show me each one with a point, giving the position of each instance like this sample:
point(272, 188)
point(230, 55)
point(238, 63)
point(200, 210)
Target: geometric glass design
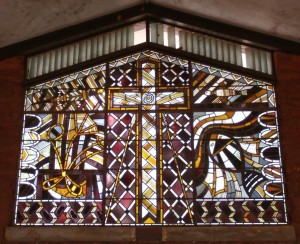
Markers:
point(150, 139)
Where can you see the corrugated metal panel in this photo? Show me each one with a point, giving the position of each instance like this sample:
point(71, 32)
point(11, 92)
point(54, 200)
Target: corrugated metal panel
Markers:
point(200, 44)
point(171, 37)
point(82, 51)
point(212, 47)
point(259, 60)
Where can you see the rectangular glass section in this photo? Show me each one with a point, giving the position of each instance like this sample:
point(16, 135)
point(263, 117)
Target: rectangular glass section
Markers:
point(178, 211)
point(59, 213)
point(243, 212)
point(160, 141)
point(240, 150)
point(69, 93)
point(170, 98)
point(125, 99)
point(62, 157)
point(213, 88)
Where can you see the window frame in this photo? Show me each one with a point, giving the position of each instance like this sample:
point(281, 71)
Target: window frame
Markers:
point(157, 48)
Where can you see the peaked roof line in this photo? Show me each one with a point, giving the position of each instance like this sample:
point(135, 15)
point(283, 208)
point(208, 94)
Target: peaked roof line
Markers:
point(142, 12)
point(155, 48)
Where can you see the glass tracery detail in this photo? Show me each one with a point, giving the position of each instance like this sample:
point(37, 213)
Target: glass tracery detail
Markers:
point(150, 139)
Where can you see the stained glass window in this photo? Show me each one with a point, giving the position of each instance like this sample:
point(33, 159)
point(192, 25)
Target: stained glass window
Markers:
point(150, 139)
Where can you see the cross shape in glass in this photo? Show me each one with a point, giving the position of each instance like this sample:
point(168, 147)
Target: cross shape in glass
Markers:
point(147, 98)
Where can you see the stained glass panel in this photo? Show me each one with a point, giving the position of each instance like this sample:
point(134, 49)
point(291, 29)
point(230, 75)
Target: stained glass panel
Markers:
point(150, 139)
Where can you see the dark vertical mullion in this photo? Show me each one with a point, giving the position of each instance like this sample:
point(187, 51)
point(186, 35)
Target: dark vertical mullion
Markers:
point(159, 173)
point(280, 136)
point(138, 170)
point(139, 198)
point(147, 30)
point(159, 163)
point(192, 138)
point(52, 152)
point(105, 167)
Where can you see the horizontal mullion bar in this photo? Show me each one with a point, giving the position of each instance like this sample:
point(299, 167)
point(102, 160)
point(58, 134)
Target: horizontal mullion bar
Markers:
point(133, 111)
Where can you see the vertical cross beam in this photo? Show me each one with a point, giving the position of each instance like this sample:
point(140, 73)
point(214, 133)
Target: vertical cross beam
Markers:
point(146, 99)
